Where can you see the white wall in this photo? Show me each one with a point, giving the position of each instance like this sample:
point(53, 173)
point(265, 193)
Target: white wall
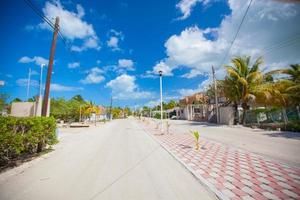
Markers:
point(23, 109)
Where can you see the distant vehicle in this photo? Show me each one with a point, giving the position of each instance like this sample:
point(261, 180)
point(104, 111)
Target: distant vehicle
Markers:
point(174, 117)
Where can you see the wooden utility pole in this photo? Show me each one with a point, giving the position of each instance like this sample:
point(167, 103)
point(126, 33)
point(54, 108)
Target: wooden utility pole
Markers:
point(216, 93)
point(50, 66)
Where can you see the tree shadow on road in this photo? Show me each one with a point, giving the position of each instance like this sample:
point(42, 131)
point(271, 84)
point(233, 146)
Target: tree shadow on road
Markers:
point(289, 135)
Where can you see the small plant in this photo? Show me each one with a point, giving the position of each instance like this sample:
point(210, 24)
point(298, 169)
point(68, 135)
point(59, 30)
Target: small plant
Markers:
point(196, 137)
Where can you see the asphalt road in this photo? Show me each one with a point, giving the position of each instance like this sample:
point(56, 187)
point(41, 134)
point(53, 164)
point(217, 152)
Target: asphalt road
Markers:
point(116, 161)
point(277, 145)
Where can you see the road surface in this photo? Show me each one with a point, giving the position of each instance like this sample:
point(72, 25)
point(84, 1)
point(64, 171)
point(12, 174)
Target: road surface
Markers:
point(280, 146)
point(116, 161)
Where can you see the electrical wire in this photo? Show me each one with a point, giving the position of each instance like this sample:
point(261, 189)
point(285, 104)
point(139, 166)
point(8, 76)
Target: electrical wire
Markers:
point(237, 32)
point(48, 21)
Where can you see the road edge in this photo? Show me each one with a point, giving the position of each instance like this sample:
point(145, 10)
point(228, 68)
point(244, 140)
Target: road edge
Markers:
point(208, 186)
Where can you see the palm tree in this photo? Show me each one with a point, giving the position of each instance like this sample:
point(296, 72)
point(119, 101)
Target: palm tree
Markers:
point(90, 108)
point(286, 91)
point(242, 80)
point(290, 85)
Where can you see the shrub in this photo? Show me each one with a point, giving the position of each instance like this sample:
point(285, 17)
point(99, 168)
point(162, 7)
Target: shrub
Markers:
point(293, 126)
point(23, 136)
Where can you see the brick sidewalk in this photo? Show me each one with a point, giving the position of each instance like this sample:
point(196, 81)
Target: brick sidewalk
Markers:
point(231, 173)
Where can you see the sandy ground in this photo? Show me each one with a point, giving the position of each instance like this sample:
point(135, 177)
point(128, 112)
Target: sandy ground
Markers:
point(116, 160)
point(278, 145)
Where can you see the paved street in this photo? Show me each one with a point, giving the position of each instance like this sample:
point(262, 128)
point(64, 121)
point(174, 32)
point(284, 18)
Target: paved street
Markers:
point(116, 160)
point(280, 146)
point(229, 172)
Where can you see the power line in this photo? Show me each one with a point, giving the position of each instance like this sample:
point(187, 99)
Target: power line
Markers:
point(234, 38)
point(237, 32)
point(36, 10)
point(48, 21)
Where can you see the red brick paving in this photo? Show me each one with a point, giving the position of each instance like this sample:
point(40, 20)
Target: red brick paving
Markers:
point(218, 164)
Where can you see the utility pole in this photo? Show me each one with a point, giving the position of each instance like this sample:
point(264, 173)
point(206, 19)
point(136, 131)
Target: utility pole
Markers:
point(161, 102)
point(216, 93)
point(110, 114)
point(28, 83)
point(50, 66)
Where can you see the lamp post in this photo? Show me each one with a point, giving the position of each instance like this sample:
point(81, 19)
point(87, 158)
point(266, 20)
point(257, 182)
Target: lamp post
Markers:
point(161, 101)
point(41, 80)
point(28, 83)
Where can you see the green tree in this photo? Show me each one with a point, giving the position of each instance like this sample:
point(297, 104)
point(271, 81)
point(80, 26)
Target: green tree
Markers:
point(78, 98)
point(241, 81)
point(210, 92)
point(3, 100)
point(69, 110)
point(289, 86)
point(16, 100)
point(116, 112)
point(170, 105)
point(127, 111)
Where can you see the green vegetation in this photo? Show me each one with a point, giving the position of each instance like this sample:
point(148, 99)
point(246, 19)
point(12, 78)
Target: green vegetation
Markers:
point(246, 85)
point(69, 110)
point(25, 136)
point(196, 139)
point(241, 81)
point(3, 100)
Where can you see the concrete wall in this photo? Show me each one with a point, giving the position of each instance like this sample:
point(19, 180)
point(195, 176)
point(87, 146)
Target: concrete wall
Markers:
point(226, 115)
point(28, 109)
point(23, 109)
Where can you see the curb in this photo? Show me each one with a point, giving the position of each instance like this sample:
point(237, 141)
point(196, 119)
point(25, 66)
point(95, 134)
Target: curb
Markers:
point(201, 180)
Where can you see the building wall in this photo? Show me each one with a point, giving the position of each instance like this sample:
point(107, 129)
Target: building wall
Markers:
point(28, 109)
point(23, 109)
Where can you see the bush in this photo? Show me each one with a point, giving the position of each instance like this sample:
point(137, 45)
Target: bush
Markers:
point(293, 126)
point(25, 136)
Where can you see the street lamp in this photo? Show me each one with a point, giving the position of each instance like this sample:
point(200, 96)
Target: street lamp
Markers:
point(161, 104)
point(41, 80)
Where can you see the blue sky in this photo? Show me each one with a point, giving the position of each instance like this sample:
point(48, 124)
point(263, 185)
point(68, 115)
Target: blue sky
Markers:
point(116, 47)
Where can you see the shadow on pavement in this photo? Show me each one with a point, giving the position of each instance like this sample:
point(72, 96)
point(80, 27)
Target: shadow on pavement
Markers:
point(291, 135)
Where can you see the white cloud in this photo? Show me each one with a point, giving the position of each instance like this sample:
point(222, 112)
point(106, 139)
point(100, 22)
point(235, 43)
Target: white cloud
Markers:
point(152, 103)
point(73, 65)
point(200, 88)
point(24, 82)
point(187, 92)
point(267, 24)
point(62, 88)
point(113, 42)
point(160, 66)
point(115, 38)
point(186, 6)
point(72, 26)
point(126, 64)
point(36, 59)
point(122, 66)
point(124, 87)
point(33, 73)
point(94, 75)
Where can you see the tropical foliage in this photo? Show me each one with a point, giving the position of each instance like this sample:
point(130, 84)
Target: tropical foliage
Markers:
point(71, 110)
point(25, 136)
point(242, 80)
point(246, 85)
